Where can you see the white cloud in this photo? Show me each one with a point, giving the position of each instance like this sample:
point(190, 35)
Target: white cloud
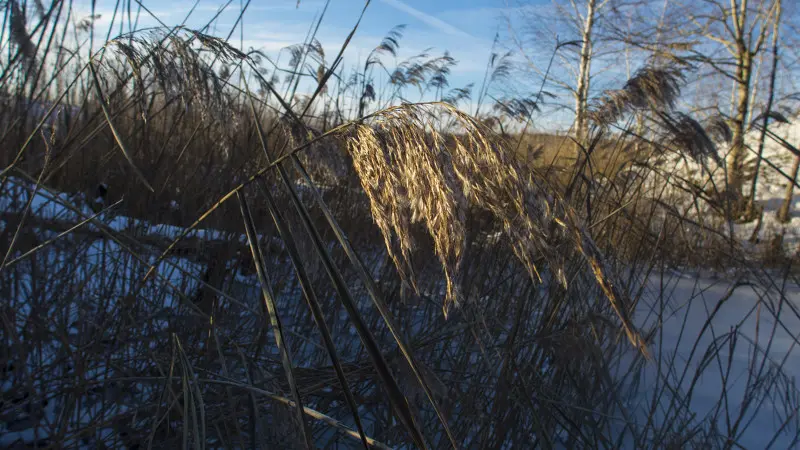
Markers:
point(426, 18)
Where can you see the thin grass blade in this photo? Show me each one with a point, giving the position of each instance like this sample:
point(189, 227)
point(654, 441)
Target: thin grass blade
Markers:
point(316, 310)
point(376, 297)
point(398, 400)
point(308, 411)
point(117, 137)
point(269, 301)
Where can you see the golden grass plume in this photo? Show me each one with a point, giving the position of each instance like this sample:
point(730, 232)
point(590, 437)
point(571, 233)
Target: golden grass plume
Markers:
point(414, 173)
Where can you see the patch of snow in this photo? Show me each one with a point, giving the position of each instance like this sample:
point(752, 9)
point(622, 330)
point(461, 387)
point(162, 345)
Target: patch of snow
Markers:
point(771, 186)
point(699, 314)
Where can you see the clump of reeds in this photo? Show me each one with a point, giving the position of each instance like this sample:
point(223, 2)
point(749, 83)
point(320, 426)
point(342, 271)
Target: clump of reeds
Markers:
point(180, 62)
point(558, 380)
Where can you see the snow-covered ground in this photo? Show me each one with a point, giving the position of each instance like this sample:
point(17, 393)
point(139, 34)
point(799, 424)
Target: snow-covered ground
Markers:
point(770, 188)
point(29, 423)
point(699, 316)
point(740, 344)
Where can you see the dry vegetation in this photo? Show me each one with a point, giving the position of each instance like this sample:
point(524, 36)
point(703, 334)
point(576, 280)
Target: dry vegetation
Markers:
point(271, 269)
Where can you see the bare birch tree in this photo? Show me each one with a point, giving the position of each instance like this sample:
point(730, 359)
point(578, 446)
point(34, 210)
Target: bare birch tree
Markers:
point(585, 64)
point(769, 106)
point(722, 39)
point(577, 22)
point(735, 32)
point(784, 213)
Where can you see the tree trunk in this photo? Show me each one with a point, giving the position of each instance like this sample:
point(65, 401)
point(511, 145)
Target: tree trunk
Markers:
point(770, 102)
point(584, 71)
point(744, 60)
point(735, 160)
point(784, 213)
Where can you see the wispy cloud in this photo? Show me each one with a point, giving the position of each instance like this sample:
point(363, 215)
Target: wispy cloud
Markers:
point(284, 6)
point(426, 18)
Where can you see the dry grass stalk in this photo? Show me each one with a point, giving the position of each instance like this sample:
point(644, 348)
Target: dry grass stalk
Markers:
point(615, 296)
point(654, 88)
point(686, 134)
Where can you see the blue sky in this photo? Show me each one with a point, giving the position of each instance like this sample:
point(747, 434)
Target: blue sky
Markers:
point(465, 28)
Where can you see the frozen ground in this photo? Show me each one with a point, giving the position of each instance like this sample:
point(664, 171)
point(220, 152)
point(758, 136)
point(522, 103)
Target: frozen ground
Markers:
point(730, 341)
point(770, 189)
point(754, 362)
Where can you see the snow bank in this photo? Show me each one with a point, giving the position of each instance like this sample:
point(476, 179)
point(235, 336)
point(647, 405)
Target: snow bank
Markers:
point(683, 174)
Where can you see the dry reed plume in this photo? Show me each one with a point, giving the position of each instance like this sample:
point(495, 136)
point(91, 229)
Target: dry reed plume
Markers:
point(413, 173)
point(19, 34)
point(654, 88)
point(180, 67)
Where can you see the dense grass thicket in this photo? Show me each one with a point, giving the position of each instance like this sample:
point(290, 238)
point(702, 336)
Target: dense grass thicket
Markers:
point(202, 248)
